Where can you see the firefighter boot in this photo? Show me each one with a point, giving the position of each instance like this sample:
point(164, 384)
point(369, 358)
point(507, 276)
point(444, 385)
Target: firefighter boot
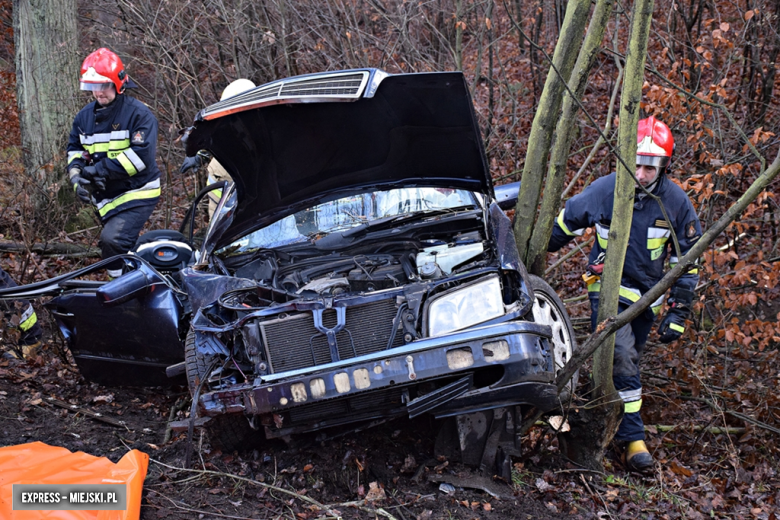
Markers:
point(30, 351)
point(23, 351)
point(637, 457)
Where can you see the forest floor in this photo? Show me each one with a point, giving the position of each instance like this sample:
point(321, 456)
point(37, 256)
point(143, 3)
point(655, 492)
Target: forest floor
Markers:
point(390, 471)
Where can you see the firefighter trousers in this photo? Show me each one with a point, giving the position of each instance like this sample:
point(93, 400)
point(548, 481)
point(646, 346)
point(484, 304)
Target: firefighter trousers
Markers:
point(120, 234)
point(630, 342)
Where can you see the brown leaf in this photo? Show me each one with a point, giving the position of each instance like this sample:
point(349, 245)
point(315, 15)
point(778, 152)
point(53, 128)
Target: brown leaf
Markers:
point(679, 469)
point(375, 492)
point(410, 464)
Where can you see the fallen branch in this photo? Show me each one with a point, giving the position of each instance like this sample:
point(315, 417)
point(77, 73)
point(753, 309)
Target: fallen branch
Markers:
point(361, 504)
point(89, 413)
point(53, 248)
point(201, 512)
point(298, 496)
point(732, 413)
point(715, 430)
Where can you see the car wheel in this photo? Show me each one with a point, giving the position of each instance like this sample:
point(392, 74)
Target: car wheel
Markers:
point(548, 309)
point(227, 432)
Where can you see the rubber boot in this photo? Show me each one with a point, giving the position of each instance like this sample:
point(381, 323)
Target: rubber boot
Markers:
point(30, 351)
point(637, 457)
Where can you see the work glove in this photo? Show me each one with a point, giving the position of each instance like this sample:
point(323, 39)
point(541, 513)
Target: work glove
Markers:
point(91, 174)
point(673, 325)
point(79, 186)
point(189, 163)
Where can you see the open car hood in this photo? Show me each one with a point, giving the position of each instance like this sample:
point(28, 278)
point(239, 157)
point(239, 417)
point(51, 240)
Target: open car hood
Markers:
point(298, 141)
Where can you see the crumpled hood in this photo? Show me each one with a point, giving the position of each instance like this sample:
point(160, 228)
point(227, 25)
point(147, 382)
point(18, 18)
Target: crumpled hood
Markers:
point(294, 142)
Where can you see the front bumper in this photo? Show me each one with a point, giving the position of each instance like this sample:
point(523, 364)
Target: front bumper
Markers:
point(519, 348)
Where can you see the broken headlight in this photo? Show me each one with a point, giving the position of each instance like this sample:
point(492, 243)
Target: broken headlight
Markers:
point(464, 307)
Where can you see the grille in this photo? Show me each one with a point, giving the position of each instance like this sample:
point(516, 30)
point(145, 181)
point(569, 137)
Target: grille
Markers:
point(293, 342)
point(338, 86)
point(360, 404)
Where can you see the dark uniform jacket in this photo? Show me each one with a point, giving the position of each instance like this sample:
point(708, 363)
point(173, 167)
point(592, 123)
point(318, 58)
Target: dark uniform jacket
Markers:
point(650, 241)
point(120, 140)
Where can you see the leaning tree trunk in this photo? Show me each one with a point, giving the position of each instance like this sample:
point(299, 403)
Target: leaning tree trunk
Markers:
point(564, 131)
point(47, 68)
point(598, 425)
point(564, 57)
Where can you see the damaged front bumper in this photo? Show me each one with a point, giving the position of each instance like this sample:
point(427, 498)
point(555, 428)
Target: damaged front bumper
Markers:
point(519, 349)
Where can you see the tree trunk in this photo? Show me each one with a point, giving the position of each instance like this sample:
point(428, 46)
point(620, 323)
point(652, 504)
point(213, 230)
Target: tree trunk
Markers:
point(47, 65)
point(601, 426)
point(565, 55)
point(556, 174)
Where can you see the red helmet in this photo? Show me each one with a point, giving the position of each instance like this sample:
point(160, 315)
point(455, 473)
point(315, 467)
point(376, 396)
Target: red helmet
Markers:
point(101, 69)
point(655, 143)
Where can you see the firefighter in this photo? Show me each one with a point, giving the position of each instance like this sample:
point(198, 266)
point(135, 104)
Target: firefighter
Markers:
point(215, 170)
point(111, 155)
point(29, 329)
point(649, 246)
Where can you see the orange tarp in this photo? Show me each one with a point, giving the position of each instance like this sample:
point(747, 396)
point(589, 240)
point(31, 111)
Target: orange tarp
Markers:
point(38, 463)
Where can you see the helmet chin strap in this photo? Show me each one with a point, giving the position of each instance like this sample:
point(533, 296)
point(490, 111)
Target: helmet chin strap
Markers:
point(640, 193)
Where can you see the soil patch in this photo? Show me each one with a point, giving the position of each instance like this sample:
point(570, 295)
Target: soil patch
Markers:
point(385, 471)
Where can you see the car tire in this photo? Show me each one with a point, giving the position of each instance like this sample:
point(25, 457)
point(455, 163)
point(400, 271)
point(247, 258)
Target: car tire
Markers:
point(229, 432)
point(549, 310)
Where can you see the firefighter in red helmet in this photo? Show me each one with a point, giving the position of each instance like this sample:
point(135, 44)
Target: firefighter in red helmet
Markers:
point(111, 155)
point(649, 246)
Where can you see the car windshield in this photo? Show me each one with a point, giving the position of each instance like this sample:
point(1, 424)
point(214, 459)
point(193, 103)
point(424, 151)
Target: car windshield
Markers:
point(349, 212)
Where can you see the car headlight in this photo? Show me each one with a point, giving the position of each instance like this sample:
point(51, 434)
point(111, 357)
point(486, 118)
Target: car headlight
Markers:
point(465, 307)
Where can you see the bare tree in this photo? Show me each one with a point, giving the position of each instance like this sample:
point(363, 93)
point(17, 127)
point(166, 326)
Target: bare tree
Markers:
point(46, 66)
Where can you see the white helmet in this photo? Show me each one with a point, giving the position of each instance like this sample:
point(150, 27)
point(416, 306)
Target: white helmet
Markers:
point(237, 87)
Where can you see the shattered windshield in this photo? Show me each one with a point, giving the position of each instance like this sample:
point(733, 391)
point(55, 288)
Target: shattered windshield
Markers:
point(349, 212)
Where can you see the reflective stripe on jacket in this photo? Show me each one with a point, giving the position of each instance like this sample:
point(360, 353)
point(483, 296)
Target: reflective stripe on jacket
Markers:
point(650, 241)
point(120, 140)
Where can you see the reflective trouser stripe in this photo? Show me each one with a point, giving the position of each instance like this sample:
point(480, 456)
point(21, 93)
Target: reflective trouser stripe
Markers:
point(629, 294)
point(678, 328)
point(632, 407)
point(632, 400)
point(29, 318)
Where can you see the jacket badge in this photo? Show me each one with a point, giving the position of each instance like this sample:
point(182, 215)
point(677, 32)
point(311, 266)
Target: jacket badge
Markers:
point(115, 127)
point(661, 224)
point(138, 137)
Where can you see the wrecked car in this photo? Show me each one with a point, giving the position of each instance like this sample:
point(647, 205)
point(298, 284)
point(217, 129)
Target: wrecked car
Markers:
point(358, 268)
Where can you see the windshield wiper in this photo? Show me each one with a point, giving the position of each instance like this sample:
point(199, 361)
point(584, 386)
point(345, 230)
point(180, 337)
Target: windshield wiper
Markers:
point(398, 219)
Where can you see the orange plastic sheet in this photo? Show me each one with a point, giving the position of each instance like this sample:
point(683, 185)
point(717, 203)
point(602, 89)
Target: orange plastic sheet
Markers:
point(39, 463)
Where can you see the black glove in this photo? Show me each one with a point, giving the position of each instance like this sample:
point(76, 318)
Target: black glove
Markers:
point(673, 325)
point(189, 163)
point(91, 174)
point(79, 184)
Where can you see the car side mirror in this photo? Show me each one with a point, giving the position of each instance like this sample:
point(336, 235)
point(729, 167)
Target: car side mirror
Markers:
point(506, 195)
point(135, 284)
